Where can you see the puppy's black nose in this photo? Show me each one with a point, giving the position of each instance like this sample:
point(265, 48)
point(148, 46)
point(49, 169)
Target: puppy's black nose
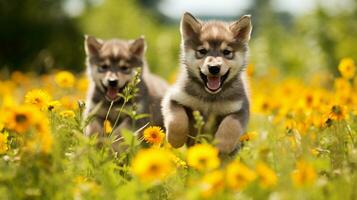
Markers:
point(214, 70)
point(113, 83)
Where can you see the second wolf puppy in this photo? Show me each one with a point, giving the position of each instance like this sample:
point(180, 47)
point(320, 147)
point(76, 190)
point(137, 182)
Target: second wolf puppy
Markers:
point(212, 81)
point(110, 67)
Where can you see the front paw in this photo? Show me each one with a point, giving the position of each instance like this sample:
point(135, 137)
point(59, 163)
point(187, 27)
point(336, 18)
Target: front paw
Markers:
point(227, 135)
point(176, 124)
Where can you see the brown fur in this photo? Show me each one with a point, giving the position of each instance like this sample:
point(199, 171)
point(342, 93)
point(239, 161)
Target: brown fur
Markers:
point(206, 44)
point(115, 60)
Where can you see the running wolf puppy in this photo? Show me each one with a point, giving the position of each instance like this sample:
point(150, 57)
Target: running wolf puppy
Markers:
point(111, 66)
point(212, 81)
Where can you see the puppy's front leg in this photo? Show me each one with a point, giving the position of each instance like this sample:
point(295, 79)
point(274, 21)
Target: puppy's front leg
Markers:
point(228, 133)
point(176, 123)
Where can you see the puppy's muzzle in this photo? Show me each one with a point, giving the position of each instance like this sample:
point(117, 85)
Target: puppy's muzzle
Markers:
point(113, 83)
point(214, 70)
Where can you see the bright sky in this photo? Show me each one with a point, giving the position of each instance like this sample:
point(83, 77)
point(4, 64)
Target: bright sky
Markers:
point(175, 8)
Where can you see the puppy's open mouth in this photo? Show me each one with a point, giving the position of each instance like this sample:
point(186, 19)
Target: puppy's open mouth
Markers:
point(213, 83)
point(111, 93)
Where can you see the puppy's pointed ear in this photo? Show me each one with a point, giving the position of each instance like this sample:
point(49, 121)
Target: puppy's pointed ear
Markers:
point(190, 27)
point(242, 28)
point(92, 45)
point(138, 47)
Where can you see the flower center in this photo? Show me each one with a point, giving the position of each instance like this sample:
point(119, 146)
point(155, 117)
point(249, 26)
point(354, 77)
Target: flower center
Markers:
point(202, 161)
point(153, 135)
point(154, 168)
point(20, 118)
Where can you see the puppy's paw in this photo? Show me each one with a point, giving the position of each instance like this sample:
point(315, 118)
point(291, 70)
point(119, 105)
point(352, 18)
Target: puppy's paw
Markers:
point(227, 135)
point(176, 124)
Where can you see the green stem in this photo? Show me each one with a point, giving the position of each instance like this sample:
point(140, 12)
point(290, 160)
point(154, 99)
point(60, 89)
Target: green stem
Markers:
point(350, 134)
point(118, 116)
point(110, 107)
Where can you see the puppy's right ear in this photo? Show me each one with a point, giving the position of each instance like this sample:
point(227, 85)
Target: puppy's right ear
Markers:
point(92, 45)
point(242, 28)
point(190, 27)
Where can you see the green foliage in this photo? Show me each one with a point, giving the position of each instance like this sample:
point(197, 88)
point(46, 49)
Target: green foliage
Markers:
point(38, 35)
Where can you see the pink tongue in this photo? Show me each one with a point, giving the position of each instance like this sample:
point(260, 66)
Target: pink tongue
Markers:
point(213, 83)
point(112, 93)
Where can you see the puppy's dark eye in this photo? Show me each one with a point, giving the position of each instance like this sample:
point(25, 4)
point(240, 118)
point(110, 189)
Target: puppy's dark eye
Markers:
point(200, 53)
point(103, 68)
point(227, 53)
point(125, 69)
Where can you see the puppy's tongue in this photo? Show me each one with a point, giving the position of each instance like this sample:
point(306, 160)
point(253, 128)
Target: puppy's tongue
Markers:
point(213, 83)
point(112, 93)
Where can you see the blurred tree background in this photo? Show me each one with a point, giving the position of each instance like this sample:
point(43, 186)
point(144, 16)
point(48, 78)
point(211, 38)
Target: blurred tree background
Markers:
point(38, 35)
point(43, 35)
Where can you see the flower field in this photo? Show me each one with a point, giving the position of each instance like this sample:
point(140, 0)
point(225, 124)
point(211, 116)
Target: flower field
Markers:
point(300, 144)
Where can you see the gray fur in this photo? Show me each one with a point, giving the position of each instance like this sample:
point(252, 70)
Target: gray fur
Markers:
point(228, 106)
point(151, 87)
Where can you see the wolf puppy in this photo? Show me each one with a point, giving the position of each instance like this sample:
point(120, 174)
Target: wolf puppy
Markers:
point(111, 66)
point(212, 81)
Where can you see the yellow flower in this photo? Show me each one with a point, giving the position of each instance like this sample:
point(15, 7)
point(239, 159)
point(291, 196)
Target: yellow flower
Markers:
point(212, 183)
point(248, 136)
point(68, 102)
point(7, 88)
point(154, 135)
point(3, 142)
point(338, 113)
point(82, 84)
point(21, 118)
point(37, 97)
point(266, 175)
point(203, 157)
point(45, 142)
point(304, 174)
point(44, 137)
point(342, 85)
point(53, 105)
point(8, 102)
point(67, 114)
point(65, 79)
point(152, 165)
point(107, 126)
point(347, 68)
point(41, 139)
point(238, 175)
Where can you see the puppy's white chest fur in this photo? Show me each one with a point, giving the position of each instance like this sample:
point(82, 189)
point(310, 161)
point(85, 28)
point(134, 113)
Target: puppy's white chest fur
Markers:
point(221, 107)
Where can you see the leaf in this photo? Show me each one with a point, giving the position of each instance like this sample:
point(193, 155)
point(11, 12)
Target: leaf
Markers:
point(141, 116)
point(129, 138)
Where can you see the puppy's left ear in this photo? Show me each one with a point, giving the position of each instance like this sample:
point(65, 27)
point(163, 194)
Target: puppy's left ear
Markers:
point(92, 45)
point(242, 28)
point(190, 27)
point(138, 47)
